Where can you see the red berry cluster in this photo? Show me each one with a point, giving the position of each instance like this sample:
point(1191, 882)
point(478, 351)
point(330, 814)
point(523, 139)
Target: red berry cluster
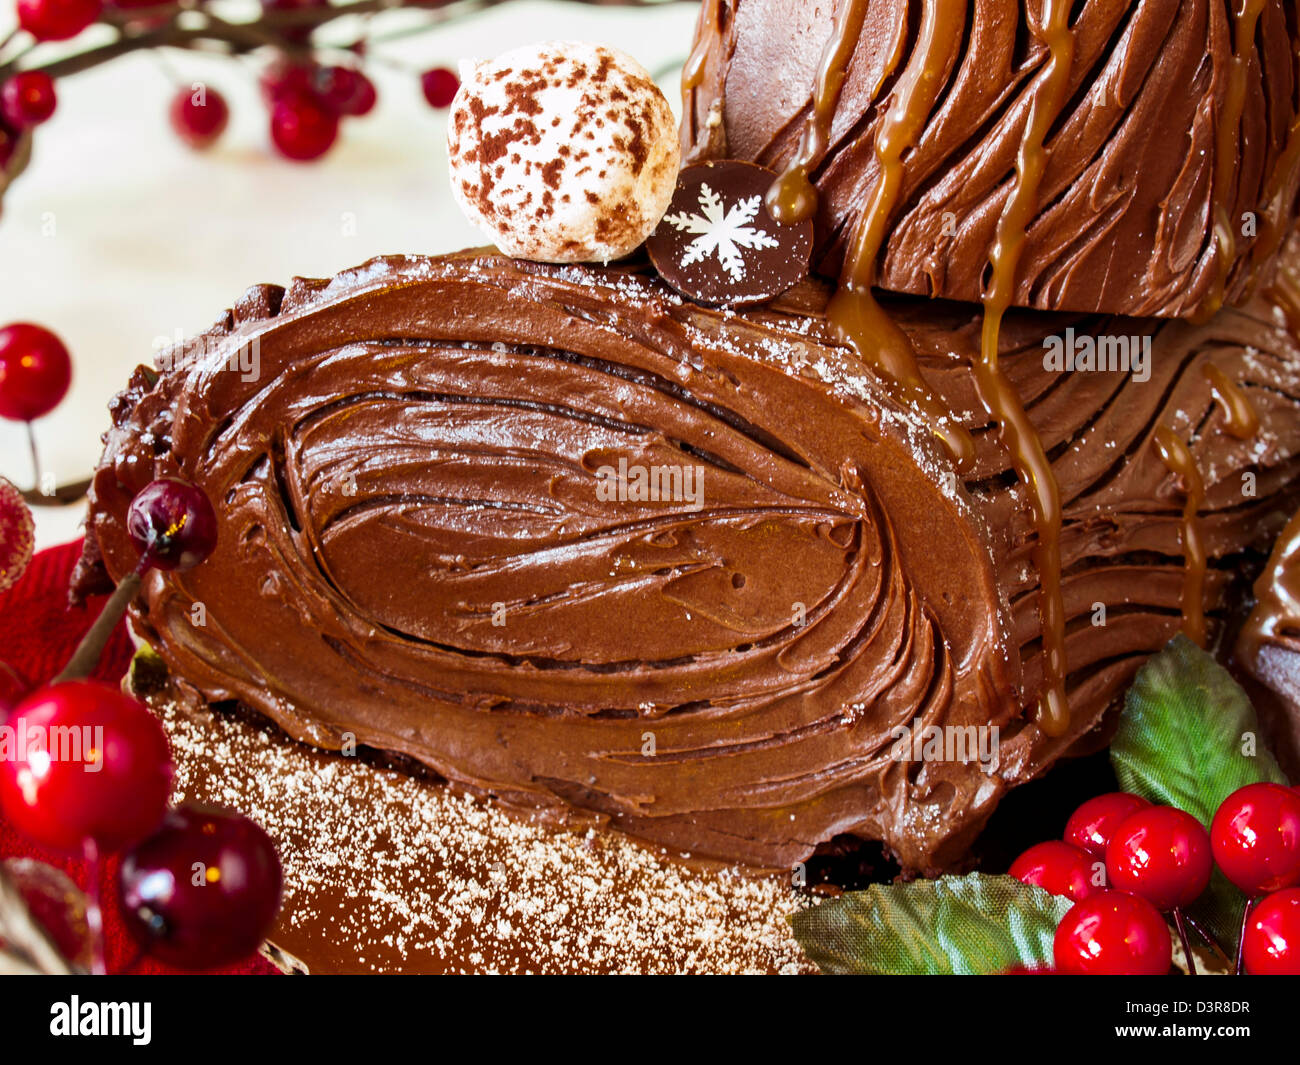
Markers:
point(306, 99)
point(87, 770)
point(1159, 858)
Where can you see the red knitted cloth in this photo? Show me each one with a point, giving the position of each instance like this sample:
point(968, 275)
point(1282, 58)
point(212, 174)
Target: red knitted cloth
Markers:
point(38, 633)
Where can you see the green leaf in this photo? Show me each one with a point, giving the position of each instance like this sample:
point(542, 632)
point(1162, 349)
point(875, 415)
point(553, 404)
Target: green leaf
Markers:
point(1188, 737)
point(956, 924)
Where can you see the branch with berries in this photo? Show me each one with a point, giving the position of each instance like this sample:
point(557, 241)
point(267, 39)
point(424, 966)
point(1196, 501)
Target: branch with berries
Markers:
point(308, 86)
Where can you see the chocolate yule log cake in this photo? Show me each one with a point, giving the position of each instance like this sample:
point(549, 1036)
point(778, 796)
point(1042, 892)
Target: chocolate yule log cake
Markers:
point(424, 546)
point(1171, 132)
point(651, 527)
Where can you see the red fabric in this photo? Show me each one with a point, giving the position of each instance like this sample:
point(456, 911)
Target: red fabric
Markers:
point(38, 633)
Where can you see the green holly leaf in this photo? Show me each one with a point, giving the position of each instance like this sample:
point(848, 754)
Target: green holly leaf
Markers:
point(956, 924)
point(1189, 737)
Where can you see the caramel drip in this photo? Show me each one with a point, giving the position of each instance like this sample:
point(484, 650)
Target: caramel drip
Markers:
point(1178, 459)
point(693, 70)
point(854, 312)
point(1277, 597)
point(1244, 21)
point(1285, 293)
point(998, 393)
point(1239, 415)
point(792, 197)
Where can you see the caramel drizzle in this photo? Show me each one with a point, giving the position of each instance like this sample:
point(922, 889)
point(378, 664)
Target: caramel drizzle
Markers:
point(1239, 415)
point(853, 311)
point(998, 393)
point(1178, 459)
point(693, 70)
point(1244, 22)
point(1277, 596)
point(1284, 293)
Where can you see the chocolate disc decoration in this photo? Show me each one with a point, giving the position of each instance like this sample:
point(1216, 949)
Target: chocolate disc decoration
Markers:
point(718, 244)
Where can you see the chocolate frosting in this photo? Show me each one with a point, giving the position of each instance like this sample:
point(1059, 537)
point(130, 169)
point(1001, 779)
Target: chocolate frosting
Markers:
point(1182, 118)
point(415, 554)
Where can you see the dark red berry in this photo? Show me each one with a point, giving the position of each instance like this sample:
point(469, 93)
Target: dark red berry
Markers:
point(1113, 933)
point(1058, 868)
point(27, 99)
point(172, 524)
point(440, 86)
point(1271, 945)
point(35, 371)
point(302, 128)
point(1256, 838)
point(346, 90)
point(85, 762)
point(57, 20)
point(199, 115)
point(1161, 853)
point(203, 890)
point(284, 79)
point(1091, 826)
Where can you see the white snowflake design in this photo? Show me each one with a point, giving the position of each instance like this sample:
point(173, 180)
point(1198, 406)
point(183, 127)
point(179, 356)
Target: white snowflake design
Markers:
point(724, 233)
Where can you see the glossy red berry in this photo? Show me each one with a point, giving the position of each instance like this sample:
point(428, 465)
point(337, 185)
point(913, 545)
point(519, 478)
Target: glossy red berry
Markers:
point(80, 760)
point(1271, 945)
point(1161, 853)
point(302, 128)
point(172, 524)
point(27, 99)
point(344, 90)
point(1058, 868)
point(440, 86)
point(203, 890)
point(35, 371)
point(199, 115)
point(1256, 838)
point(57, 20)
point(1091, 826)
point(1113, 933)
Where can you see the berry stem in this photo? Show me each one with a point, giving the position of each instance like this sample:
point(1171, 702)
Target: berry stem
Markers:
point(1210, 941)
point(1239, 969)
point(36, 458)
point(1180, 923)
point(87, 655)
point(94, 906)
point(62, 494)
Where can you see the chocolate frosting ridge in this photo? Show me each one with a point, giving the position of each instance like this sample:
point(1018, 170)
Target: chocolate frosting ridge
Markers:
point(417, 549)
point(1146, 157)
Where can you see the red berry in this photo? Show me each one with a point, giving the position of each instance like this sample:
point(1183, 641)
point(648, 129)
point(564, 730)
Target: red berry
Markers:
point(35, 371)
point(1058, 868)
point(172, 524)
point(203, 890)
point(1092, 824)
point(283, 79)
point(27, 98)
point(1161, 853)
point(345, 90)
point(84, 762)
point(440, 86)
point(199, 115)
point(1256, 838)
point(302, 128)
point(1271, 945)
point(1113, 933)
point(57, 20)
